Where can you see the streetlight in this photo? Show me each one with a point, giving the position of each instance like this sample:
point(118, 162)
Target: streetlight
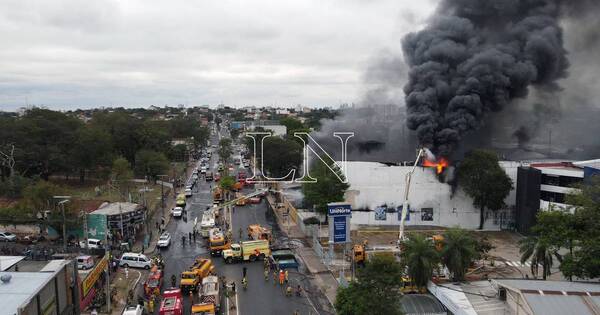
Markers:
point(61, 203)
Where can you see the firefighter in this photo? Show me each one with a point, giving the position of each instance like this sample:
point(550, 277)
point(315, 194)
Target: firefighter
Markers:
point(281, 277)
point(245, 283)
point(288, 291)
point(286, 277)
point(151, 306)
point(173, 281)
point(266, 274)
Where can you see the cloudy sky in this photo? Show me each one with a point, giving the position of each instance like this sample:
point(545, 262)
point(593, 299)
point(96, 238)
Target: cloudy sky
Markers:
point(81, 54)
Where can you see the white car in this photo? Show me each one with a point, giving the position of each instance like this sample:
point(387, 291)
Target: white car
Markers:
point(92, 243)
point(188, 192)
point(133, 310)
point(135, 260)
point(7, 237)
point(177, 212)
point(164, 240)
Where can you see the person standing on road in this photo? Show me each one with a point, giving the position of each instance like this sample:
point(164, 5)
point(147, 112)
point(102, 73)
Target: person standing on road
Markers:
point(281, 277)
point(240, 232)
point(244, 270)
point(266, 274)
point(286, 277)
point(274, 276)
point(190, 236)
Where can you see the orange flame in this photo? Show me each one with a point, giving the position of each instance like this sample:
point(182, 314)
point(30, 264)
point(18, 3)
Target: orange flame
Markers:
point(439, 165)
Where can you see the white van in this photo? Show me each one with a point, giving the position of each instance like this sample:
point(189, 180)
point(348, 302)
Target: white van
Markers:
point(207, 223)
point(135, 260)
point(85, 262)
point(92, 243)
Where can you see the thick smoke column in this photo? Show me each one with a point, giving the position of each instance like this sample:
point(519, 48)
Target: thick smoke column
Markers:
point(475, 57)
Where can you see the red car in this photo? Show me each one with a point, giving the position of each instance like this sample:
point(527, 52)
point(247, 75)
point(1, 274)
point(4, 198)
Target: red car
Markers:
point(254, 200)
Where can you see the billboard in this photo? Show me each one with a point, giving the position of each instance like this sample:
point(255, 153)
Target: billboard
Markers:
point(96, 225)
point(339, 222)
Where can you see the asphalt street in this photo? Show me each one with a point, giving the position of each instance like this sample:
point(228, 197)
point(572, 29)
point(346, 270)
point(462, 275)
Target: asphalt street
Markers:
point(261, 297)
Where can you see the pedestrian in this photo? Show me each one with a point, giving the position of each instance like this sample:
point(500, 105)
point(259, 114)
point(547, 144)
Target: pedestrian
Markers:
point(286, 277)
point(266, 274)
point(190, 236)
point(281, 277)
point(274, 276)
point(240, 232)
point(151, 306)
point(194, 235)
point(233, 286)
point(244, 272)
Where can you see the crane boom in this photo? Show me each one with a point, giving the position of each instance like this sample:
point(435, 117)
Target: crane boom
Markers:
point(406, 191)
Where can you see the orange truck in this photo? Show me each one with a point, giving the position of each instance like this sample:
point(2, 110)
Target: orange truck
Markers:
point(191, 278)
point(171, 303)
point(217, 243)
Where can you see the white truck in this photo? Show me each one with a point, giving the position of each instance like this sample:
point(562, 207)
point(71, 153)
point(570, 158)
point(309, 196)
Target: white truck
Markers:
point(210, 292)
point(207, 223)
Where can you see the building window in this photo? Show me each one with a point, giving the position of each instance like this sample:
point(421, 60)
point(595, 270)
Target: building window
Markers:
point(552, 196)
point(426, 214)
point(552, 180)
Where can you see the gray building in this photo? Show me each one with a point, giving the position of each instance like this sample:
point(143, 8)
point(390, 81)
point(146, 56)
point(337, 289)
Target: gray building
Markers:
point(47, 291)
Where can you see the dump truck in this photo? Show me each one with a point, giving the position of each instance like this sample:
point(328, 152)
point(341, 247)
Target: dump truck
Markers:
point(210, 292)
point(192, 277)
point(171, 303)
point(258, 232)
point(217, 243)
point(247, 251)
point(203, 309)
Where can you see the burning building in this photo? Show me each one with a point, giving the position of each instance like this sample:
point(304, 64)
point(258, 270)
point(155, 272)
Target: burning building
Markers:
point(377, 193)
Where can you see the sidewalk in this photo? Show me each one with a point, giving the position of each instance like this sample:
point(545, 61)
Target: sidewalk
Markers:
point(323, 277)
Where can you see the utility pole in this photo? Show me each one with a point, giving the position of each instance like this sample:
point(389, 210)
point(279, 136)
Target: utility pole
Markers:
point(162, 193)
point(61, 203)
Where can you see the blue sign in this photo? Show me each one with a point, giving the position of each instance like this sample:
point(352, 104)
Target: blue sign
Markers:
point(400, 213)
point(334, 209)
point(380, 214)
point(339, 229)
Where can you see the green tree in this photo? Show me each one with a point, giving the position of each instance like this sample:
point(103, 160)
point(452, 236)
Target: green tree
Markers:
point(281, 156)
point(225, 149)
point(178, 152)
point(93, 149)
point(458, 252)
point(375, 291)
point(122, 174)
point(151, 163)
point(421, 258)
point(484, 180)
point(540, 253)
point(227, 183)
point(328, 187)
point(39, 196)
point(291, 124)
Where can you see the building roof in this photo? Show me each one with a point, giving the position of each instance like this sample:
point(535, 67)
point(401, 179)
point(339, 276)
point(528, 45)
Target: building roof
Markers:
point(8, 261)
point(420, 304)
point(116, 208)
point(556, 297)
point(21, 287)
point(547, 285)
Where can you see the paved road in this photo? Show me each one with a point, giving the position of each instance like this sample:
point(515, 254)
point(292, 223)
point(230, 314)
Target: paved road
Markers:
point(261, 297)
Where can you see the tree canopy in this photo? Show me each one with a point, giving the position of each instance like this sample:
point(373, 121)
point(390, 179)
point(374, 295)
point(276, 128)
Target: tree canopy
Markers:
point(376, 289)
point(281, 156)
point(328, 187)
point(459, 249)
point(484, 180)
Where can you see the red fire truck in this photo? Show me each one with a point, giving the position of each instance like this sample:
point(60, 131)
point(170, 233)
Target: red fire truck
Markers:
point(171, 303)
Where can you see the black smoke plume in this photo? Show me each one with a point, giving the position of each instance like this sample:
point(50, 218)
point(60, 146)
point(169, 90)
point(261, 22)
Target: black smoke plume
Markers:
point(476, 57)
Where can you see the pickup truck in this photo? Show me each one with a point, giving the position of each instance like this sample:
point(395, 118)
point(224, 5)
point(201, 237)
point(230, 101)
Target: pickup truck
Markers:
point(283, 258)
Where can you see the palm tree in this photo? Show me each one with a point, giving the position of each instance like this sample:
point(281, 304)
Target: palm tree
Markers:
point(420, 257)
point(540, 253)
point(458, 252)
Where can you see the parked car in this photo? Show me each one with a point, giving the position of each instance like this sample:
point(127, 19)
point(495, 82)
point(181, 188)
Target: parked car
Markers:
point(92, 243)
point(135, 260)
point(188, 192)
point(177, 212)
point(133, 310)
point(7, 237)
point(164, 240)
point(85, 262)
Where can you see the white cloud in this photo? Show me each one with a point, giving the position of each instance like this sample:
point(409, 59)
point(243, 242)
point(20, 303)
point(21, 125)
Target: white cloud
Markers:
point(72, 53)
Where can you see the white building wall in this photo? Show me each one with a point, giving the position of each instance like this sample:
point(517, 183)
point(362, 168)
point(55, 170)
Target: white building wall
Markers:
point(374, 184)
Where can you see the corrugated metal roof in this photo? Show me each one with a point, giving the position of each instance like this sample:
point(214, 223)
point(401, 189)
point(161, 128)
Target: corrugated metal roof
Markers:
point(421, 304)
point(549, 285)
point(8, 261)
point(558, 304)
